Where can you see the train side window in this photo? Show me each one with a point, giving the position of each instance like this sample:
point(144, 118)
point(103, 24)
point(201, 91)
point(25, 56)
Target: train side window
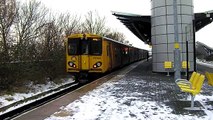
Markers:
point(107, 50)
point(116, 52)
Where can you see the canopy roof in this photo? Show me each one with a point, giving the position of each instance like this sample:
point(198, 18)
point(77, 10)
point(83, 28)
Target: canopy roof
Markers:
point(141, 25)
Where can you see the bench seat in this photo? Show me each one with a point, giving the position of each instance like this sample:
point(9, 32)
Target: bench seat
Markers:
point(184, 83)
point(193, 86)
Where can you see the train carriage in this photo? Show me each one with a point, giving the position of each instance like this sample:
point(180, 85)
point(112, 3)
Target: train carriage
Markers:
point(89, 54)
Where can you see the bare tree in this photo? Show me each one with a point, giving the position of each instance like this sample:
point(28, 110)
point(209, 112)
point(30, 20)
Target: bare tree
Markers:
point(94, 23)
point(69, 23)
point(8, 12)
point(29, 21)
point(52, 45)
point(116, 36)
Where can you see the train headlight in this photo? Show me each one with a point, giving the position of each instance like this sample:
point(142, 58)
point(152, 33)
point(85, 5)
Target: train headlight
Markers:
point(98, 64)
point(71, 64)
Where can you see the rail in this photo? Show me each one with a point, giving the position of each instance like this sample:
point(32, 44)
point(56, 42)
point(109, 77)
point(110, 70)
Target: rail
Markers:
point(40, 101)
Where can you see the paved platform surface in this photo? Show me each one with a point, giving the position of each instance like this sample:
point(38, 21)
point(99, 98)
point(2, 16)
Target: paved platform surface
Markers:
point(160, 88)
point(139, 94)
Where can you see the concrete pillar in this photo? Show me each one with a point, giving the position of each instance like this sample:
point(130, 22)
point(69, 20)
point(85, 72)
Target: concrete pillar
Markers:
point(163, 32)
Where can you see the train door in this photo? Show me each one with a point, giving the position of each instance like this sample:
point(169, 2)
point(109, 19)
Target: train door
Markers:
point(84, 59)
point(112, 55)
point(109, 55)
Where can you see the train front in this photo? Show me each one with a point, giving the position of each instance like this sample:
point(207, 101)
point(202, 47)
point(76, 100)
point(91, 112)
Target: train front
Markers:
point(83, 55)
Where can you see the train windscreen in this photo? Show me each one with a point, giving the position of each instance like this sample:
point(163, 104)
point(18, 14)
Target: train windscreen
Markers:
point(84, 47)
point(73, 46)
point(88, 46)
point(96, 47)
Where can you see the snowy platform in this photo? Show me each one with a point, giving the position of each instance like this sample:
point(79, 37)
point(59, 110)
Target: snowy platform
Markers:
point(138, 95)
point(135, 93)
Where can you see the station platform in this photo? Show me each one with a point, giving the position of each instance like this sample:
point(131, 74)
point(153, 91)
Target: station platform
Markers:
point(136, 93)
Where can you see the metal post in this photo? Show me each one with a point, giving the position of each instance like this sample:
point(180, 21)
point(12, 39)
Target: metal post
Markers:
point(194, 48)
point(187, 52)
point(192, 102)
point(177, 68)
point(187, 60)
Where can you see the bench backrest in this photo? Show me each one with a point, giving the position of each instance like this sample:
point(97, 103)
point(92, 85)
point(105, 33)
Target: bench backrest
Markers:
point(192, 77)
point(195, 80)
point(199, 84)
point(209, 78)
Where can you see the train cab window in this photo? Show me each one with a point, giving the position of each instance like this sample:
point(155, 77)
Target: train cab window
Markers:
point(84, 47)
point(96, 47)
point(73, 46)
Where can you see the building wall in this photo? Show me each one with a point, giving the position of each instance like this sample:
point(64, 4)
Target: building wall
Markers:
point(163, 32)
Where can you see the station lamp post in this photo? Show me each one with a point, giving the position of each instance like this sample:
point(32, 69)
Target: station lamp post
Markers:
point(187, 50)
point(177, 68)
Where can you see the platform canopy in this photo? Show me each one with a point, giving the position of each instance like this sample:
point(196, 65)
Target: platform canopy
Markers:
point(141, 25)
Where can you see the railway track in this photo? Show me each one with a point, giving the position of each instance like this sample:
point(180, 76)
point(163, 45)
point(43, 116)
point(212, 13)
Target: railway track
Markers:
point(56, 93)
point(80, 88)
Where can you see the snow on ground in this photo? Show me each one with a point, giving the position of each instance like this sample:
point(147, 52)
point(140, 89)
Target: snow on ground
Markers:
point(35, 90)
point(102, 104)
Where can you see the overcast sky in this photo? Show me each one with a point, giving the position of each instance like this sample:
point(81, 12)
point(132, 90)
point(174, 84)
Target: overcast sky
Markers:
point(141, 7)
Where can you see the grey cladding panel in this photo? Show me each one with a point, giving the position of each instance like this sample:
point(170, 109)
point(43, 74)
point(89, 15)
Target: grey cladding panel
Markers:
point(190, 47)
point(161, 20)
point(170, 28)
point(186, 10)
point(160, 11)
point(162, 48)
point(160, 30)
point(162, 57)
point(187, 19)
point(171, 47)
point(153, 30)
point(154, 57)
point(154, 49)
point(191, 58)
point(187, 2)
point(161, 39)
point(158, 3)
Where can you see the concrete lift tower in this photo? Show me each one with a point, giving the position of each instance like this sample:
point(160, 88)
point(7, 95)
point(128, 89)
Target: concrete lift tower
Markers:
point(171, 24)
point(169, 20)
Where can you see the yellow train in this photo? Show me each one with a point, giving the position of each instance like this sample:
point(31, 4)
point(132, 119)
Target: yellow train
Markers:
point(90, 54)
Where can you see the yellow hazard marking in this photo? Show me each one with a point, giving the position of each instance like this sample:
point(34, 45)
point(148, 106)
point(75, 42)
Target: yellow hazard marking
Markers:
point(177, 45)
